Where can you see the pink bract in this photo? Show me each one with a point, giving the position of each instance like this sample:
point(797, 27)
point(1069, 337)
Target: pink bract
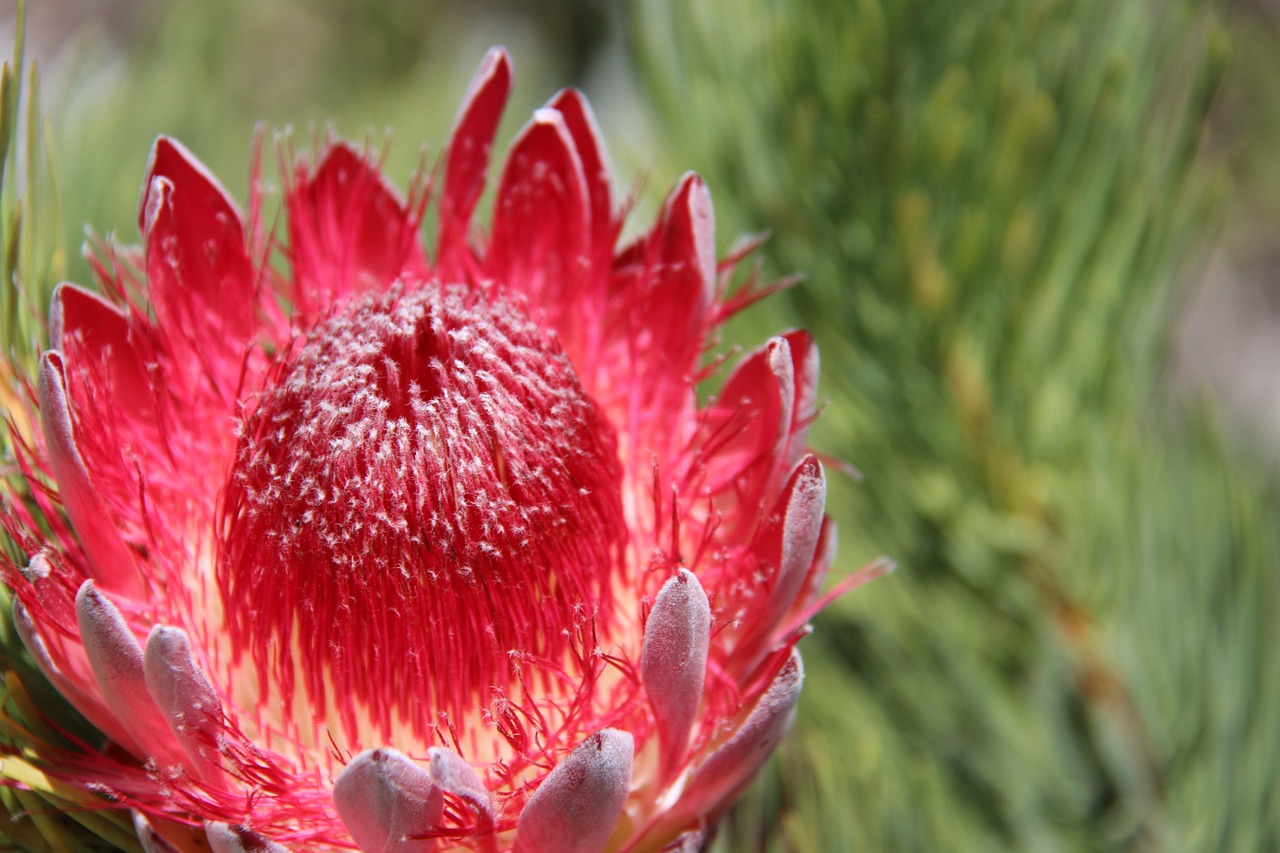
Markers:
point(406, 553)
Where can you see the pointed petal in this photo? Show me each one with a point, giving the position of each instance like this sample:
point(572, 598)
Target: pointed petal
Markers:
point(91, 332)
point(791, 546)
point(117, 663)
point(88, 705)
point(349, 232)
point(200, 279)
point(171, 160)
point(805, 497)
point(673, 664)
point(824, 557)
point(541, 228)
point(109, 559)
point(112, 398)
point(748, 431)
point(805, 364)
point(387, 803)
point(224, 838)
point(732, 765)
point(185, 697)
point(468, 157)
point(456, 777)
point(677, 270)
point(577, 806)
point(664, 286)
point(576, 112)
point(689, 239)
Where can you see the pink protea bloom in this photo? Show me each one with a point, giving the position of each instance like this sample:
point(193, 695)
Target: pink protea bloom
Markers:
point(411, 554)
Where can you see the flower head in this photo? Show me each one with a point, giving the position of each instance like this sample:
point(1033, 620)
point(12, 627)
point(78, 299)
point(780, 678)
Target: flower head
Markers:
point(409, 553)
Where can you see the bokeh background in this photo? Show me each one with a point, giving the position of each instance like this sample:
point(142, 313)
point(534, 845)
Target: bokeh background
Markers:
point(1040, 256)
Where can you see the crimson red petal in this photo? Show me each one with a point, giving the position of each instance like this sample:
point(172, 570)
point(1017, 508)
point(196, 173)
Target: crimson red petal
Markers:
point(541, 227)
point(787, 543)
point(576, 112)
point(88, 330)
point(805, 364)
point(731, 765)
point(468, 159)
point(749, 428)
point(759, 426)
point(349, 232)
point(661, 293)
point(112, 399)
point(109, 558)
point(201, 281)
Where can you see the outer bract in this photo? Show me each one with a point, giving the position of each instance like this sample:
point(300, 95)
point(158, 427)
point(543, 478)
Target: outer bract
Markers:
point(418, 553)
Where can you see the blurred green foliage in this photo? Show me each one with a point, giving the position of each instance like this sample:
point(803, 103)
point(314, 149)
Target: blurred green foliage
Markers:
point(993, 206)
point(31, 235)
point(32, 257)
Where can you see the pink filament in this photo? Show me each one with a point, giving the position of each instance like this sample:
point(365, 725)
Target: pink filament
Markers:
point(422, 500)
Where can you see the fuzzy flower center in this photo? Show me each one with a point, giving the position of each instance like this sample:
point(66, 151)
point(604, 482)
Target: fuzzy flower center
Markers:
point(425, 504)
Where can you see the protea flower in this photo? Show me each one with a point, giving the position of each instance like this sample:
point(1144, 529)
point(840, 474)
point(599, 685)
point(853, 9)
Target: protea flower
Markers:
point(399, 553)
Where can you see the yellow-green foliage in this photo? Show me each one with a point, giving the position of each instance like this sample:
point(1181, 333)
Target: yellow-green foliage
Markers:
point(992, 202)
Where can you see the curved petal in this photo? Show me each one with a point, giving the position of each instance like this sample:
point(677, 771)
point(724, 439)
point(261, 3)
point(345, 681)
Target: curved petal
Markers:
point(88, 705)
point(748, 428)
point(784, 550)
point(117, 663)
point(349, 232)
point(468, 160)
point(730, 767)
point(789, 541)
point(576, 112)
point(668, 276)
point(90, 331)
point(201, 282)
point(577, 806)
point(110, 391)
point(685, 242)
point(758, 426)
point(110, 561)
point(388, 803)
point(673, 664)
point(541, 226)
point(662, 292)
point(805, 364)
